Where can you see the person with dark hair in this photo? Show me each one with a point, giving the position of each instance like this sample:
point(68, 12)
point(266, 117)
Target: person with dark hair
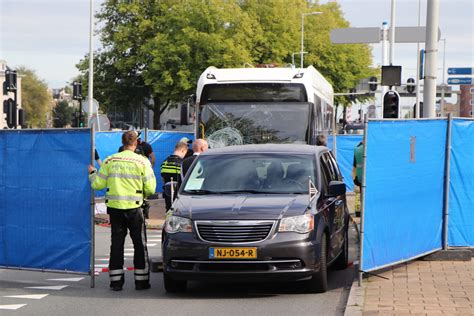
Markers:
point(171, 172)
point(128, 178)
point(321, 140)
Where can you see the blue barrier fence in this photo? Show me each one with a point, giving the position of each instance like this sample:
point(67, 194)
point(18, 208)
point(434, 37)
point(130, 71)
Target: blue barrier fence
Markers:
point(345, 156)
point(45, 213)
point(108, 143)
point(461, 193)
point(404, 191)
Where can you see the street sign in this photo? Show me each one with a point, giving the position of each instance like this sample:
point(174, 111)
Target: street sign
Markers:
point(368, 35)
point(459, 80)
point(460, 71)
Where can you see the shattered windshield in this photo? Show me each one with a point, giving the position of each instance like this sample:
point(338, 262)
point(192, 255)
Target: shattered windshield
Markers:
point(230, 124)
point(273, 173)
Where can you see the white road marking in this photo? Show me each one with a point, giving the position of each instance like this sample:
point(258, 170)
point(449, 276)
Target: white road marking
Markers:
point(128, 254)
point(106, 259)
point(54, 287)
point(31, 296)
point(102, 265)
point(12, 306)
point(155, 240)
point(150, 245)
point(68, 279)
point(129, 249)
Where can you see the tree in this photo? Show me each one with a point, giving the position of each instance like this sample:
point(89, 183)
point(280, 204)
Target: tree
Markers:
point(159, 48)
point(35, 99)
point(63, 114)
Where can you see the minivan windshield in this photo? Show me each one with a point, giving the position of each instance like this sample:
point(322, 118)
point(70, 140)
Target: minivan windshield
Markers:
point(273, 173)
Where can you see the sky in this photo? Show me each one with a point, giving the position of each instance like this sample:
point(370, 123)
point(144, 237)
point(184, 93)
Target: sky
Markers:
point(51, 36)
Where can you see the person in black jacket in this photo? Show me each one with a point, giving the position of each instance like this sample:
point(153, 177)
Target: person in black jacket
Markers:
point(199, 146)
point(171, 171)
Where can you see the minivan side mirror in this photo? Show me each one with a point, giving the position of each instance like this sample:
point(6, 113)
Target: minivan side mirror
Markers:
point(336, 188)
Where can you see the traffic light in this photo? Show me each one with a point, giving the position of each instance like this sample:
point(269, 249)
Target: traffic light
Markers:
point(81, 119)
point(76, 90)
point(410, 86)
point(390, 104)
point(352, 96)
point(10, 81)
point(9, 108)
point(21, 118)
point(373, 83)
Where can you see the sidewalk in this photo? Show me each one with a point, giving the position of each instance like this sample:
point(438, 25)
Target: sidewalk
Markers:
point(417, 287)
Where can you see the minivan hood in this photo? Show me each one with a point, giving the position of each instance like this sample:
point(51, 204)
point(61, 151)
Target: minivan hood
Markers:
point(241, 206)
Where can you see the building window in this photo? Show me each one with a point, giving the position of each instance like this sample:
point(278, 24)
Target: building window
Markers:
point(472, 90)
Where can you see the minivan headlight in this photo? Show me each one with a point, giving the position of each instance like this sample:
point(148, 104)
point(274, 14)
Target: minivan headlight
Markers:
point(300, 224)
point(176, 224)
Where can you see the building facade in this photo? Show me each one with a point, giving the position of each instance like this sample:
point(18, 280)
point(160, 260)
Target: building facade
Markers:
point(466, 107)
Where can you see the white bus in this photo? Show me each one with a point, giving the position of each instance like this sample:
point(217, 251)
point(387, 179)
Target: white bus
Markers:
point(263, 105)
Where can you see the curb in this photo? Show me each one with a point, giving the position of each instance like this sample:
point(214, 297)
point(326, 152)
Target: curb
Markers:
point(355, 302)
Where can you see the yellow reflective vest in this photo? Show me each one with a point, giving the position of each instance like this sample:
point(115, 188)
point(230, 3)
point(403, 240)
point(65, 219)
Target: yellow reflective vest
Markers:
point(128, 178)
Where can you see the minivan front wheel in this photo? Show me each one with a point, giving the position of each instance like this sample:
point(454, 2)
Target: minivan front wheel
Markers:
point(172, 285)
point(319, 281)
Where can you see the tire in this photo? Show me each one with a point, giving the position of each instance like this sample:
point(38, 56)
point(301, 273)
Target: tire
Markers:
point(343, 259)
point(174, 286)
point(319, 281)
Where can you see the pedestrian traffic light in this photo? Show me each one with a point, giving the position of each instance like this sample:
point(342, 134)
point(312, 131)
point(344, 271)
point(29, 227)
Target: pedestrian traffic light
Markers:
point(81, 119)
point(21, 118)
point(10, 80)
point(390, 104)
point(9, 108)
point(410, 85)
point(76, 90)
point(373, 83)
point(352, 96)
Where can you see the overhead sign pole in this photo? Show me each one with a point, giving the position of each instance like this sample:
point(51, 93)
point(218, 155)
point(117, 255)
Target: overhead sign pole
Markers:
point(384, 41)
point(418, 63)
point(429, 93)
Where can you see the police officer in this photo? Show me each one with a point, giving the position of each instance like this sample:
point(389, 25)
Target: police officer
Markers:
point(128, 178)
point(171, 170)
point(144, 149)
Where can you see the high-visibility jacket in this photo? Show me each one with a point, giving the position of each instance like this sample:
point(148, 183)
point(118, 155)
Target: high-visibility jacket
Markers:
point(128, 178)
point(171, 168)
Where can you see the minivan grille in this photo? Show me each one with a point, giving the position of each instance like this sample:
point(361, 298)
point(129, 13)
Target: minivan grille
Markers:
point(241, 232)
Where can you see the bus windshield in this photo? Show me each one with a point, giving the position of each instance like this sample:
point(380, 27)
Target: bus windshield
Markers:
point(253, 92)
point(228, 124)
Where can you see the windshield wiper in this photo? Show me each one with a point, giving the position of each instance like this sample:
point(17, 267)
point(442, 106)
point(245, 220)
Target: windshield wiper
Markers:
point(200, 191)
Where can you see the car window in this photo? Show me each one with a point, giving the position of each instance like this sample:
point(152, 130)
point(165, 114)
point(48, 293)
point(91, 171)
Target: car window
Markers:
point(259, 173)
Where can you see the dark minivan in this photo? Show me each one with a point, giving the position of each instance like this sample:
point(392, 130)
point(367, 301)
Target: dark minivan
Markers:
point(257, 213)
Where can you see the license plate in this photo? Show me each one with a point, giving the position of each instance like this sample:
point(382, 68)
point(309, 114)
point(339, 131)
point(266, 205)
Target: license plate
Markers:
point(233, 253)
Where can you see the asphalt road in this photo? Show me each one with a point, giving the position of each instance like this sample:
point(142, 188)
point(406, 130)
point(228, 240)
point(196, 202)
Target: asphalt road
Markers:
point(72, 294)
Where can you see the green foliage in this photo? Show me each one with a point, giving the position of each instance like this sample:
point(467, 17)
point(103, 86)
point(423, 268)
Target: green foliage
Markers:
point(160, 48)
point(63, 114)
point(35, 99)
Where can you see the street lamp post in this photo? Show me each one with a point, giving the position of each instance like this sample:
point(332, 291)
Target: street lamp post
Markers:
point(302, 33)
point(442, 84)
